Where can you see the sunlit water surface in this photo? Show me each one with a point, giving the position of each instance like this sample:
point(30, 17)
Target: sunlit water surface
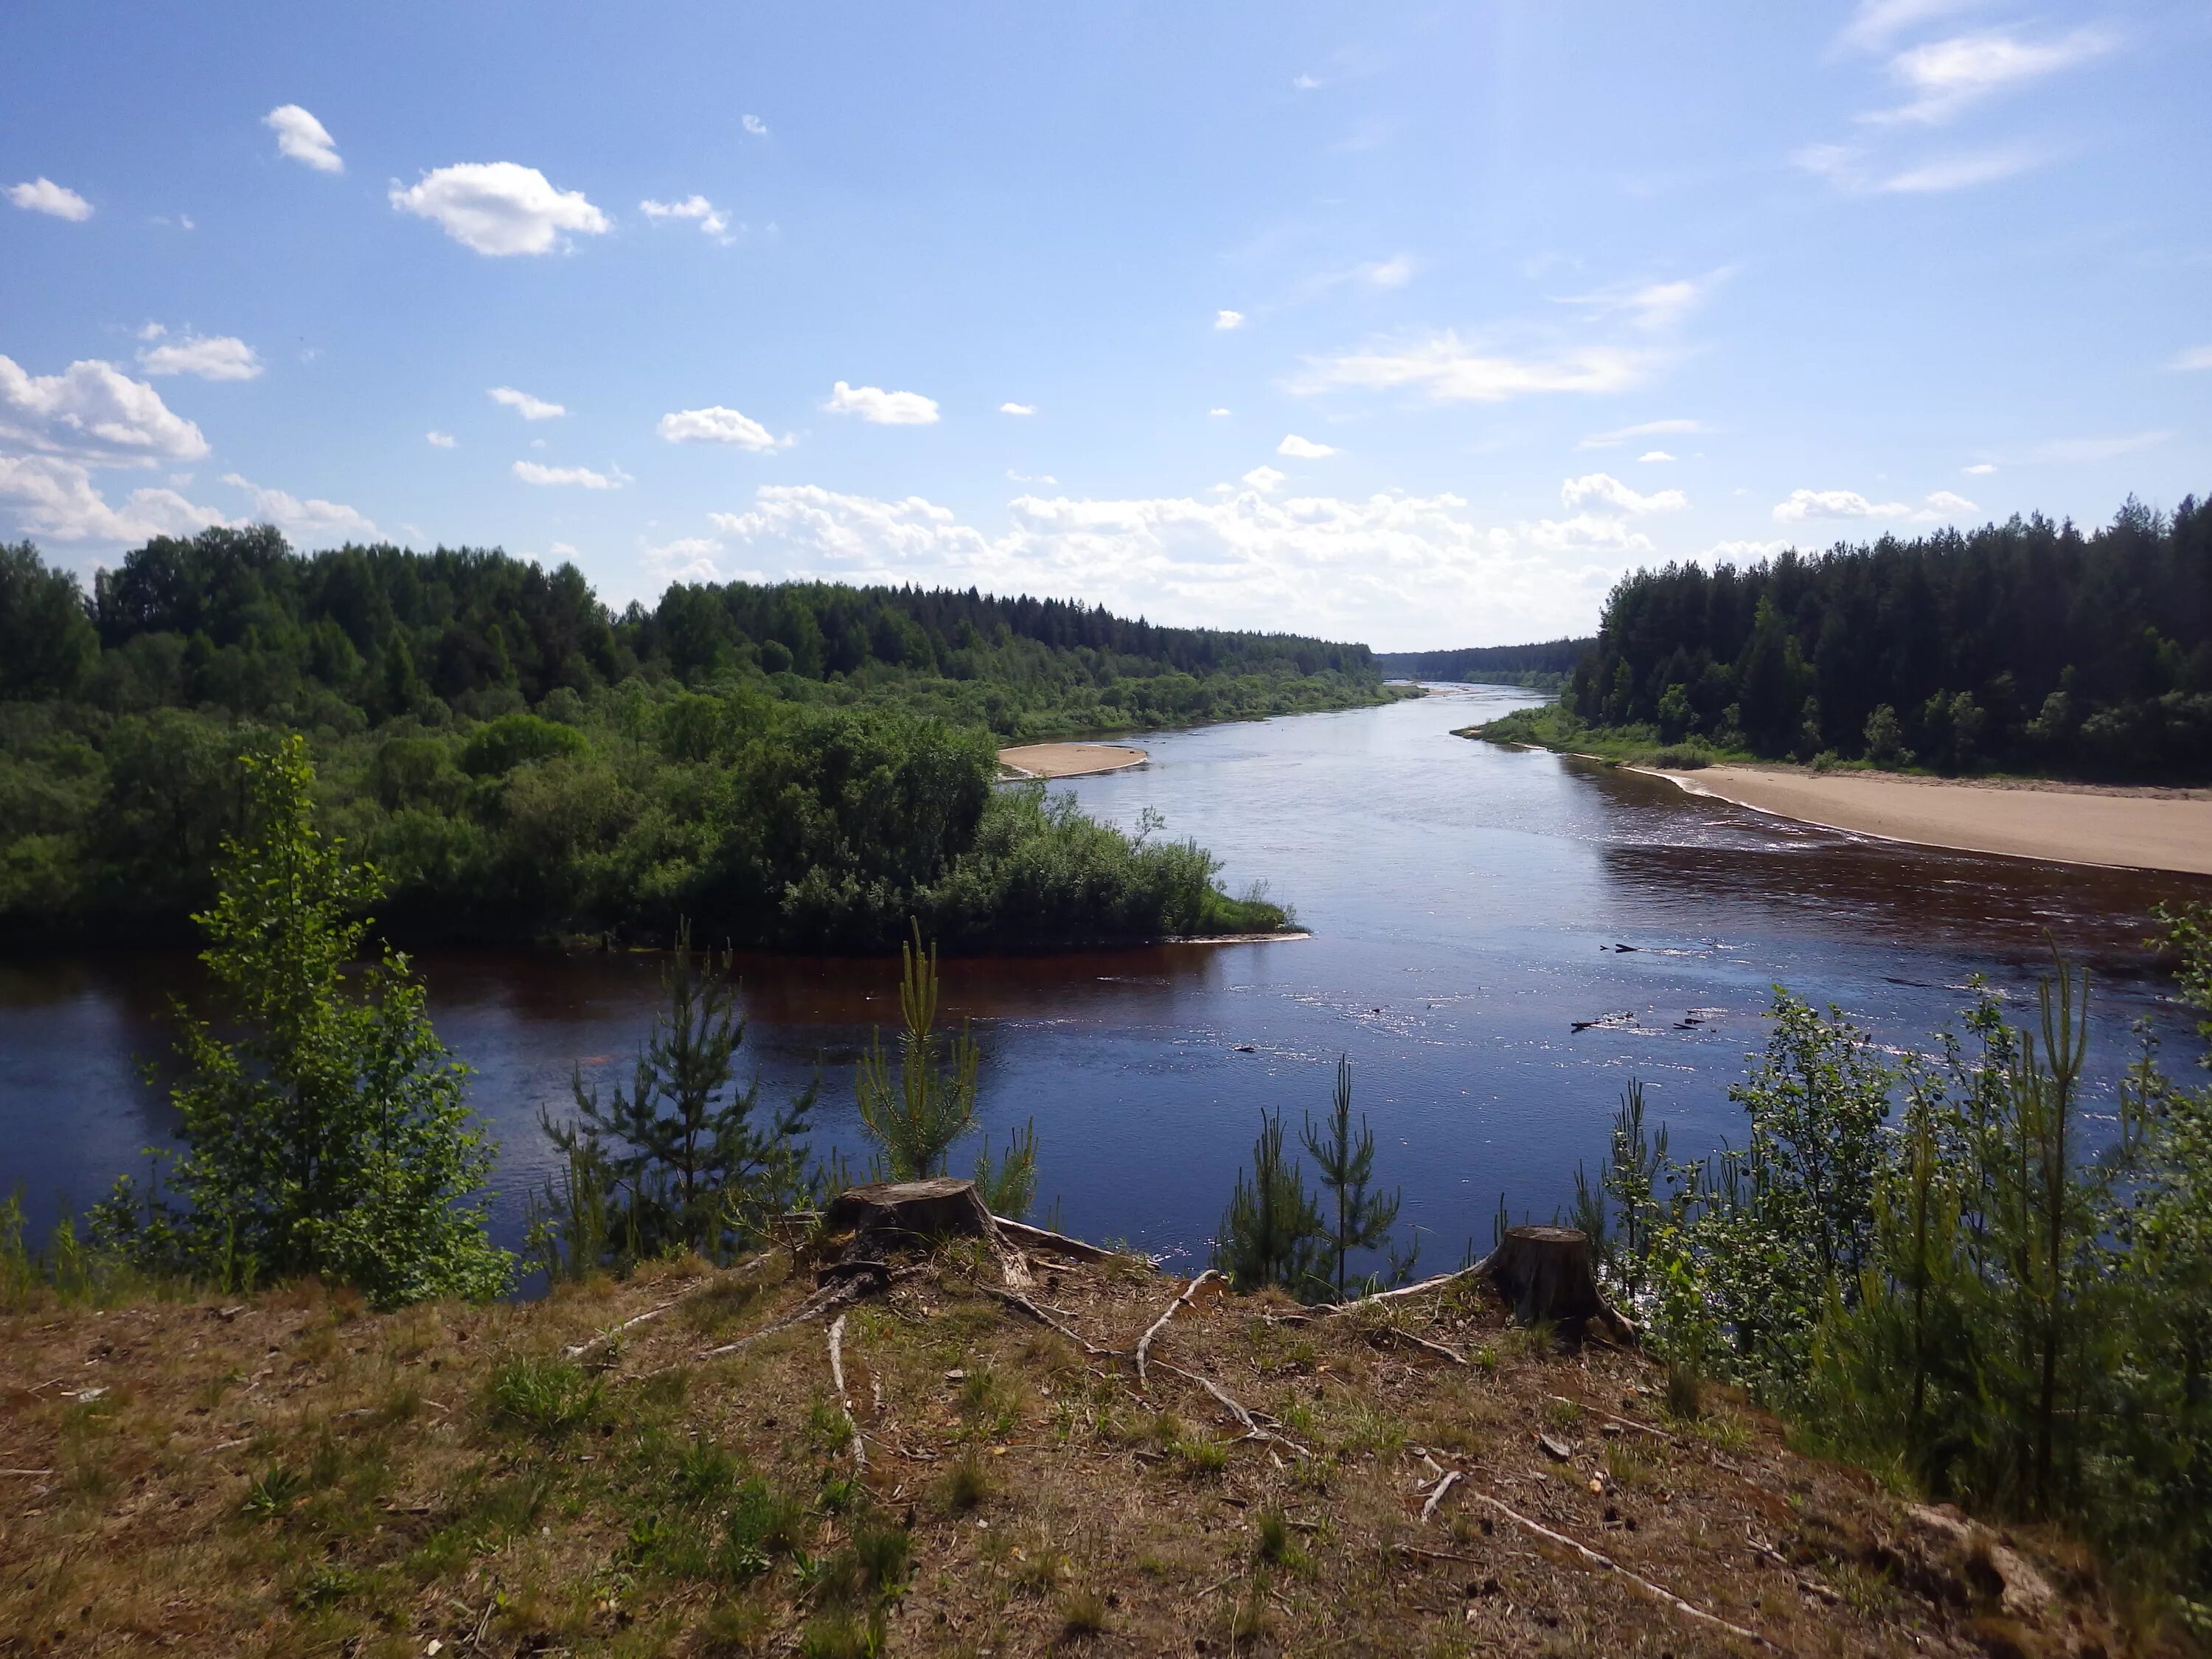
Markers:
point(1468, 904)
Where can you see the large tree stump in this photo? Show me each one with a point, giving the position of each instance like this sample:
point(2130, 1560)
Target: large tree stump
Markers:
point(1545, 1273)
point(903, 1214)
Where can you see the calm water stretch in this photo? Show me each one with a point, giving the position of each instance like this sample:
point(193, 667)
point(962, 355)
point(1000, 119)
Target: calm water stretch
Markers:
point(1468, 905)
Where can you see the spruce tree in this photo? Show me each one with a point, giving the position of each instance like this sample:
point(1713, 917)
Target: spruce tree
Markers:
point(1345, 1164)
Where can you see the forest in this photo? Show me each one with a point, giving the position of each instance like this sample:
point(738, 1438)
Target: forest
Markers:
point(2027, 646)
point(1545, 665)
point(803, 765)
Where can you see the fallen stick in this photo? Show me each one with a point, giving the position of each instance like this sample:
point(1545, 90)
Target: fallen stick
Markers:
point(1015, 1299)
point(1144, 1342)
point(837, 1376)
point(821, 1302)
point(1038, 1238)
point(1397, 1335)
point(1405, 1291)
point(613, 1331)
point(1624, 1422)
point(1688, 1610)
point(1253, 1428)
point(1436, 1496)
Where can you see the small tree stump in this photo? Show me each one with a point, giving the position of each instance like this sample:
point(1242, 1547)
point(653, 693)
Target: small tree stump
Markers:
point(1545, 1273)
point(903, 1214)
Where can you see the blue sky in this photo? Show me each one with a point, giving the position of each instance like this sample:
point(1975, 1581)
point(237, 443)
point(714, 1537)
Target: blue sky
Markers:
point(1417, 324)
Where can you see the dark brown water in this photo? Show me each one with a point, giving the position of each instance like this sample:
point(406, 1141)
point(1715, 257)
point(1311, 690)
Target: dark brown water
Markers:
point(1467, 905)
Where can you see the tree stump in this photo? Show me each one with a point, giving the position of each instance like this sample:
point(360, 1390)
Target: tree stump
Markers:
point(899, 1215)
point(1546, 1272)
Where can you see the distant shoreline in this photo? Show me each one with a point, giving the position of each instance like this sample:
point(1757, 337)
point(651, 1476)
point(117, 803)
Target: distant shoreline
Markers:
point(2116, 827)
point(1070, 760)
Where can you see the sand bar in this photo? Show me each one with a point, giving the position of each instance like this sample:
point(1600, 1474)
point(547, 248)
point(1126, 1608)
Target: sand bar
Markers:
point(2143, 829)
point(1069, 760)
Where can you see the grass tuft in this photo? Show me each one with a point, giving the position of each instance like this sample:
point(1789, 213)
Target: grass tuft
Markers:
point(549, 1397)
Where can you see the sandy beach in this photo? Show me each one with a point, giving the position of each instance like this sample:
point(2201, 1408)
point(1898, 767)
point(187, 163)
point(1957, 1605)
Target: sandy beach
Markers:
point(1069, 760)
point(2141, 828)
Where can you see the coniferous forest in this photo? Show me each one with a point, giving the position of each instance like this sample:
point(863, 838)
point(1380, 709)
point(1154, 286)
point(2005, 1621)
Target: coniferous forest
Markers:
point(2027, 646)
point(802, 765)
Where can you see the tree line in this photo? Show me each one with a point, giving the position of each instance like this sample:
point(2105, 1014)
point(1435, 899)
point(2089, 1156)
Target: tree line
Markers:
point(2029, 645)
point(800, 766)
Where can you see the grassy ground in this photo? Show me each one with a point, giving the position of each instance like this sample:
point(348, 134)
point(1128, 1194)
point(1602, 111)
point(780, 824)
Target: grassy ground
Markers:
point(294, 1475)
point(1551, 726)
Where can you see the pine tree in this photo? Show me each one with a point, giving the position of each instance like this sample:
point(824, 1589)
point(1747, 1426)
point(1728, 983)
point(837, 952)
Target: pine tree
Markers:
point(684, 1145)
point(1345, 1164)
point(1272, 1232)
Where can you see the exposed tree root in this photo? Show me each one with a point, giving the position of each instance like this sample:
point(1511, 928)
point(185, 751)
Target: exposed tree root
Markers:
point(1436, 1494)
point(837, 1376)
point(1253, 1429)
point(1392, 1334)
point(1015, 1299)
point(1624, 1422)
point(613, 1331)
point(1144, 1342)
point(1037, 1238)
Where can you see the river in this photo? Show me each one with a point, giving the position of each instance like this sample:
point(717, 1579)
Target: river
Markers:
point(1469, 904)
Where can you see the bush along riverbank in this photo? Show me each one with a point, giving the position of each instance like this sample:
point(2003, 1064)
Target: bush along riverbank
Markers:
point(803, 766)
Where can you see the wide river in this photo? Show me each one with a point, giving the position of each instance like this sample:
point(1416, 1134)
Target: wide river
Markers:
point(1468, 904)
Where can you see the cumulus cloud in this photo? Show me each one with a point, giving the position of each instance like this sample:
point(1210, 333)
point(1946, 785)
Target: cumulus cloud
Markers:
point(1804, 504)
point(1604, 488)
point(1642, 429)
point(1370, 568)
point(1224, 319)
point(94, 412)
point(1946, 76)
point(692, 207)
point(302, 136)
point(1016, 409)
point(43, 194)
point(1451, 372)
point(1303, 449)
point(530, 408)
point(1655, 455)
point(755, 125)
point(441, 440)
point(1265, 478)
point(2194, 358)
point(717, 425)
point(313, 520)
point(530, 472)
point(221, 357)
point(499, 208)
point(55, 499)
point(881, 408)
point(1739, 552)
point(686, 559)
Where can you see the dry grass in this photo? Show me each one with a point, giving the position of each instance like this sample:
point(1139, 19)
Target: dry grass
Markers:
point(296, 1476)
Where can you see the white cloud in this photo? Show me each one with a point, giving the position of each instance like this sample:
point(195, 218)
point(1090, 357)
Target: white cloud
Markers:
point(1393, 272)
point(1303, 449)
point(692, 207)
point(1877, 23)
point(1604, 487)
point(686, 559)
point(1016, 409)
point(1024, 477)
point(2194, 358)
point(1848, 167)
point(530, 472)
point(1217, 411)
point(222, 357)
point(530, 408)
point(1804, 504)
point(313, 520)
point(43, 194)
point(1305, 83)
point(717, 425)
point(1371, 568)
point(55, 499)
point(2074, 449)
point(562, 550)
point(92, 410)
point(1739, 552)
point(1655, 455)
point(1224, 320)
point(1979, 469)
point(1946, 76)
point(1650, 305)
point(881, 408)
point(755, 125)
point(1452, 372)
point(499, 208)
point(1264, 479)
point(441, 440)
point(302, 136)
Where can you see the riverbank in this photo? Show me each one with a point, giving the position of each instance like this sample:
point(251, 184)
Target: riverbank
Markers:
point(2138, 828)
point(1070, 760)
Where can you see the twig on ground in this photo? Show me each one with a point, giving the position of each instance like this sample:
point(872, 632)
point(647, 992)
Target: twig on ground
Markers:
point(837, 1376)
point(1392, 1334)
point(1016, 1300)
point(1688, 1610)
point(613, 1331)
point(1405, 1291)
point(1038, 1238)
point(1428, 1510)
point(1144, 1342)
point(1253, 1430)
point(1624, 1422)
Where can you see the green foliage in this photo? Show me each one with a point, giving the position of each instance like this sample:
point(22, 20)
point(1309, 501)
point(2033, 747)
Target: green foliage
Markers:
point(2028, 644)
point(914, 1122)
point(333, 1135)
point(1272, 1232)
point(546, 1396)
point(688, 1159)
point(1344, 1162)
